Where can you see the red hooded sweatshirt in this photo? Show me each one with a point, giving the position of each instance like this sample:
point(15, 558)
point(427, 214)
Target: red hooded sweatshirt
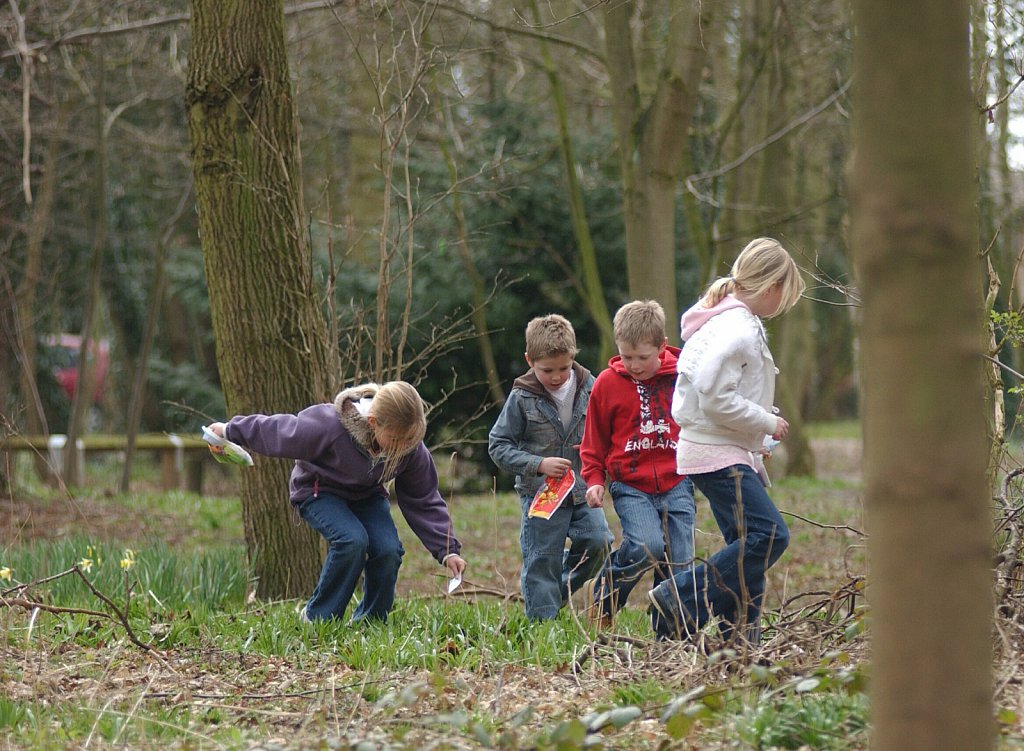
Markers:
point(630, 435)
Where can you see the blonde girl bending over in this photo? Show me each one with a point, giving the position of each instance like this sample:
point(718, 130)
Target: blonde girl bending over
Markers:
point(345, 454)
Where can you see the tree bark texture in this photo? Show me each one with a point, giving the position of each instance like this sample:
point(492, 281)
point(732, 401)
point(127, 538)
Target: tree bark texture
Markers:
point(82, 399)
point(925, 444)
point(651, 138)
point(779, 191)
point(26, 294)
point(269, 329)
point(591, 289)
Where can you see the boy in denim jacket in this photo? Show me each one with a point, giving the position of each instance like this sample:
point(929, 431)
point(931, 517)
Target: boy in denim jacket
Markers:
point(537, 435)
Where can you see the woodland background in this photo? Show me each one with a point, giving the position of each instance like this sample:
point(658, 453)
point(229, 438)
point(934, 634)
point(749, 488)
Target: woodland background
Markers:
point(391, 190)
point(440, 138)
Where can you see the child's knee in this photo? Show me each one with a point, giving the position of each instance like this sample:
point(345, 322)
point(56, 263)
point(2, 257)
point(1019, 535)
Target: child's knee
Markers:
point(770, 543)
point(780, 537)
point(647, 548)
point(353, 548)
point(390, 552)
point(597, 542)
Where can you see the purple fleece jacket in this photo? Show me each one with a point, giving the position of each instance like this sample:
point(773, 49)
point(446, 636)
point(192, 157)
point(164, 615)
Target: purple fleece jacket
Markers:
point(329, 460)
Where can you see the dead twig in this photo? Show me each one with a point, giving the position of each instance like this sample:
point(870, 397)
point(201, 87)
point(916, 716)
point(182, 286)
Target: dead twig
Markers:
point(824, 526)
point(115, 613)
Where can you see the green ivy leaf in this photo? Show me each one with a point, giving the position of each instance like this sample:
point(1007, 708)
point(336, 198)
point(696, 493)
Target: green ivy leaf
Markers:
point(679, 726)
point(622, 716)
point(808, 684)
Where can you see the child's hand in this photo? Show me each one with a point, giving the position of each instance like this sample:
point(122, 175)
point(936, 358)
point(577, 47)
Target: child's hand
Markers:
point(456, 565)
point(554, 466)
point(595, 496)
point(781, 429)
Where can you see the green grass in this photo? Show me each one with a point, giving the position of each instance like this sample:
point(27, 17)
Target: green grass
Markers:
point(228, 671)
point(827, 722)
point(161, 577)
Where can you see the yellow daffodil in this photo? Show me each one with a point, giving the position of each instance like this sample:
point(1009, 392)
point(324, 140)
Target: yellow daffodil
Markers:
point(6, 574)
point(85, 564)
point(129, 559)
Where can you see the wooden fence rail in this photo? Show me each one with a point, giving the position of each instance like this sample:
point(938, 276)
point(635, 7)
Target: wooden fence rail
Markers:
point(181, 457)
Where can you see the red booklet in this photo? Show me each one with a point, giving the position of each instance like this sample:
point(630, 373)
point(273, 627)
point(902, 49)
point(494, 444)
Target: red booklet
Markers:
point(551, 494)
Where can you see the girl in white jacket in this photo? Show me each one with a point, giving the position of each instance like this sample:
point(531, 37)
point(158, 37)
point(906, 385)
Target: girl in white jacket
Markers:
point(723, 403)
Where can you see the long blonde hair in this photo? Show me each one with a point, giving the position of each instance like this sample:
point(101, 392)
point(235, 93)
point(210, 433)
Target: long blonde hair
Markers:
point(398, 407)
point(759, 266)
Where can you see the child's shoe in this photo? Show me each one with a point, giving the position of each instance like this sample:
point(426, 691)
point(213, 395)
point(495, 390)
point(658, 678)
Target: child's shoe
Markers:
point(664, 620)
point(587, 602)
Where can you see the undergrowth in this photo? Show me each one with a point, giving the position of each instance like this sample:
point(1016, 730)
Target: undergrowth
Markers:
point(113, 647)
point(152, 639)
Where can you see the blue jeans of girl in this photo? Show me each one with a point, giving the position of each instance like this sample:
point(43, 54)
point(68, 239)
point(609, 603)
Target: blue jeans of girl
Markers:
point(731, 583)
point(361, 540)
point(550, 571)
point(657, 533)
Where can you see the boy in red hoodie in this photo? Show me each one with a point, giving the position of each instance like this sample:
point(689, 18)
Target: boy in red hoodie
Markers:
point(630, 441)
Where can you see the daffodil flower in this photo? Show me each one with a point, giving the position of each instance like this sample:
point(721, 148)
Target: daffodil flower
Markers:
point(129, 559)
point(6, 574)
point(85, 564)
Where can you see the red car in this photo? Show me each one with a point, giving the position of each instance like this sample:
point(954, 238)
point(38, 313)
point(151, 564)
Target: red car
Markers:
point(66, 372)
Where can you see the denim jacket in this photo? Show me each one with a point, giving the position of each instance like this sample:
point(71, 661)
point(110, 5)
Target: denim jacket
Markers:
point(529, 430)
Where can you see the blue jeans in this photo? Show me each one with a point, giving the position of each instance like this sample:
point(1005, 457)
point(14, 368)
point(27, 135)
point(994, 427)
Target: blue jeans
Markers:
point(550, 572)
point(361, 540)
point(657, 533)
point(731, 583)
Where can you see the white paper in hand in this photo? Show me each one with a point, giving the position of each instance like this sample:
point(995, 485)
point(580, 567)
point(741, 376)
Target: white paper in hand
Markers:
point(225, 451)
point(454, 583)
point(212, 438)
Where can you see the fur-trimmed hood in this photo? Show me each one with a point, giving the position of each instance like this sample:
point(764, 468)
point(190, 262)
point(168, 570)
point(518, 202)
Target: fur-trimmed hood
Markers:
point(352, 405)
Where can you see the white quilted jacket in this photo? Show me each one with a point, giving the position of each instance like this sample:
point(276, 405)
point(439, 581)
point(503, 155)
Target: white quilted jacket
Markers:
point(726, 383)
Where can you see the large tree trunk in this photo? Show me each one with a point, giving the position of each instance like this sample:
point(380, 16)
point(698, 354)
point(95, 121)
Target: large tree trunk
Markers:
point(590, 287)
point(652, 137)
point(778, 193)
point(270, 333)
point(925, 447)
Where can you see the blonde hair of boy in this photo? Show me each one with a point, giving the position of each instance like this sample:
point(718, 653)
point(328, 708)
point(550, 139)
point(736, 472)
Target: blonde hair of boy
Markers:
point(399, 408)
point(548, 336)
point(639, 322)
point(759, 266)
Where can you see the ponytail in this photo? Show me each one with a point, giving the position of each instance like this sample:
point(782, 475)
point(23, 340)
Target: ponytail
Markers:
point(718, 290)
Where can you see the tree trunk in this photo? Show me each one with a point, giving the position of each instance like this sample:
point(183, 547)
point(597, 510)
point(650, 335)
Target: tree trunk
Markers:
point(270, 333)
point(925, 447)
point(651, 140)
point(590, 289)
point(478, 313)
point(778, 192)
point(27, 292)
point(741, 127)
point(82, 399)
point(140, 376)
